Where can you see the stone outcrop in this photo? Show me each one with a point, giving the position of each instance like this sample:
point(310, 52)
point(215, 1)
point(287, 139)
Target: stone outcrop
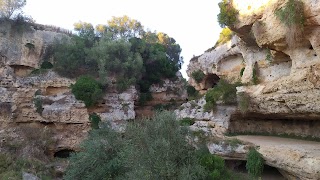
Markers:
point(280, 82)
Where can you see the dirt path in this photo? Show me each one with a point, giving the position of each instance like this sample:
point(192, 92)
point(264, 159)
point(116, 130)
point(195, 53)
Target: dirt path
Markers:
point(312, 147)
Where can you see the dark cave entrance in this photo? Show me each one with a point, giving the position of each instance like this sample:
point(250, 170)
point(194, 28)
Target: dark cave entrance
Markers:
point(239, 166)
point(211, 80)
point(64, 153)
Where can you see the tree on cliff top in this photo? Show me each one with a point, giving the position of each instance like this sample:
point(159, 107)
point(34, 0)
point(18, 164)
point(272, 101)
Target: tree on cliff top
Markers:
point(9, 7)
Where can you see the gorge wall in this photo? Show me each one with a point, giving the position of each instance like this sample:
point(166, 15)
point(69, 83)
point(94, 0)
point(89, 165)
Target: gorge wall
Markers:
point(279, 77)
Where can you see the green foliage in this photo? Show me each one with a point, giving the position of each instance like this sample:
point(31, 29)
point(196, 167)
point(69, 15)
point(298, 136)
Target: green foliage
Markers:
point(269, 55)
point(11, 167)
point(192, 92)
point(209, 106)
point(70, 58)
point(95, 120)
point(124, 27)
point(87, 89)
point(10, 7)
point(38, 104)
point(241, 71)
point(46, 65)
point(100, 158)
point(144, 97)
point(154, 148)
point(225, 36)
point(224, 92)
point(215, 166)
point(187, 122)
point(244, 102)
point(197, 75)
point(292, 13)
point(255, 163)
point(228, 14)
point(115, 58)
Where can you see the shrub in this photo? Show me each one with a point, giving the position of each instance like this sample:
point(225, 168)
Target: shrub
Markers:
point(186, 122)
point(192, 92)
point(144, 97)
point(269, 55)
point(228, 14)
point(255, 78)
point(38, 104)
point(153, 149)
point(95, 120)
point(197, 75)
point(88, 90)
point(244, 102)
point(215, 166)
point(224, 92)
point(225, 36)
point(292, 13)
point(255, 163)
point(46, 65)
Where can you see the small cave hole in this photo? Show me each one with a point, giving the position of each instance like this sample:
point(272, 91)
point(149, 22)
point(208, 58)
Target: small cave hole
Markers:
point(211, 80)
point(310, 47)
point(64, 153)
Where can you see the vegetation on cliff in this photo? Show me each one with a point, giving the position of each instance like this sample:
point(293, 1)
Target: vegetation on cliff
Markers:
point(156, 148)
point(228, 14)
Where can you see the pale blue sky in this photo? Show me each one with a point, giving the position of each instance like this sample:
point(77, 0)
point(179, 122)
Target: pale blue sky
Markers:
point(193, 24)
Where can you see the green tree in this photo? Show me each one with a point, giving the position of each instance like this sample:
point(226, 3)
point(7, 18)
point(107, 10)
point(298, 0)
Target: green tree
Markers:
point(124, 27)
point(228, 14)
point(100, 158)
point(115, 59)
point(86, 31)
point(70, 58)
point(88, 90)
point(255, 163)
point(10, 7)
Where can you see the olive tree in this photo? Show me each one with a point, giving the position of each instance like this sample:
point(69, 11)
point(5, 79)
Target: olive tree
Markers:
point(9, 7)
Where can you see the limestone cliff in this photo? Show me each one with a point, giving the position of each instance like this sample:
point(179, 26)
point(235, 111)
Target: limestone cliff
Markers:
point(45, 100)
point(284, 99)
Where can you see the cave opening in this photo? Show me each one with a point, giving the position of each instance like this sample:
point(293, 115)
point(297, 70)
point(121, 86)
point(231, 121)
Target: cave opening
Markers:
point(64, 153)
point(239, 166)
point(211, 80)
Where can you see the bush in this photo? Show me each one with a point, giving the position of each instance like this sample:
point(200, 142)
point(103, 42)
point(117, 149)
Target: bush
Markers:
point(46, 65)
point(224, 92)
point(225, 36)
point(255, 163)
point(215, 166)
point(255, 78)
point(198, 75)
point(292, 13)
point(186, 122)
point(95, 120)
point(192, 92)
point(228, 14)
point(144, 97)
point(154, 148)
point(244, 102)
point(88, 90)
point(38, 104)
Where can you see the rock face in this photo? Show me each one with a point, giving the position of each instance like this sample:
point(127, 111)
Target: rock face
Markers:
point(279, 67)
point(45, 101)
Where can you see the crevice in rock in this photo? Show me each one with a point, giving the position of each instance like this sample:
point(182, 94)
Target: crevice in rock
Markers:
point(21, 70)
point(51, 90)
point(210, 81)
point(63, 153)
point(274, 125)
point(269, 172)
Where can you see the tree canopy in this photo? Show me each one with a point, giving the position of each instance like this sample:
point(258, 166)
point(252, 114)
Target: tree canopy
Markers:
point(9, 7)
